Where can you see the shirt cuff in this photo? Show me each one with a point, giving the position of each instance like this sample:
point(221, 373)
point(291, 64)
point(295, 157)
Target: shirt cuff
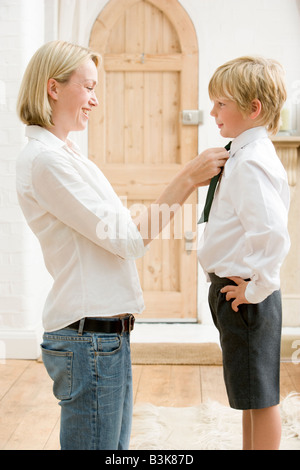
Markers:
point(256, 294)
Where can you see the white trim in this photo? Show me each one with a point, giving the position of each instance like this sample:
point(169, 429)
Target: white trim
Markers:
point(17, 344)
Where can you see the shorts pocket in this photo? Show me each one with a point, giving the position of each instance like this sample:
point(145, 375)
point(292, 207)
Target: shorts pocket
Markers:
point(59, 367)
point(244, 314)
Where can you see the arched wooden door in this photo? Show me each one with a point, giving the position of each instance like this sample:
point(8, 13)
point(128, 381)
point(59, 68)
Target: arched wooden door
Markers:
point(136, 137)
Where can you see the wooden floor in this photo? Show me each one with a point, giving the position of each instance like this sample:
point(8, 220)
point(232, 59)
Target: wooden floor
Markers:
point(29, 414)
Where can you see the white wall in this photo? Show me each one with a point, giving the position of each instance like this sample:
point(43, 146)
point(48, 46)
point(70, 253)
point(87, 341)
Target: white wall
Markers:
point(234, 28)
point(225, 29)
point(22, 274)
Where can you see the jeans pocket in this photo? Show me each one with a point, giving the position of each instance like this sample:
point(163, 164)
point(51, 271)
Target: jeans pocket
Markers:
point(109, 345)
point(59, 367)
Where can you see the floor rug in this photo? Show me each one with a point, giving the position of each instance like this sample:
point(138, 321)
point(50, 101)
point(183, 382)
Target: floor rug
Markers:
point(176, 353)
point(210, 426)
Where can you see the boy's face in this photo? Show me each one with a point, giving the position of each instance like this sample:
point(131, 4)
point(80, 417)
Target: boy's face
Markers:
point(229, 118)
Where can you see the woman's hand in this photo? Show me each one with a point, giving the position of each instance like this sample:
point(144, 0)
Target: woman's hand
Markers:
point(206, 165)
point(197, 172)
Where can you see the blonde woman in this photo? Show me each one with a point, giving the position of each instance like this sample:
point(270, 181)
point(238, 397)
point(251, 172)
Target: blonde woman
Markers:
point(70, 206)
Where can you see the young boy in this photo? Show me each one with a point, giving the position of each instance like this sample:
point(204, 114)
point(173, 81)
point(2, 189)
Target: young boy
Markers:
point(245, 242)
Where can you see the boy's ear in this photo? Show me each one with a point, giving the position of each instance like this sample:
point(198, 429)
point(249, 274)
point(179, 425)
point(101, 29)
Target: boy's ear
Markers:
point(256, 108)
point(52, 88)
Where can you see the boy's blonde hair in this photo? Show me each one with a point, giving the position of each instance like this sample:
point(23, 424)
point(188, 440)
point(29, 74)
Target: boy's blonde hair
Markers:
point(247, 78)
point(58, 60)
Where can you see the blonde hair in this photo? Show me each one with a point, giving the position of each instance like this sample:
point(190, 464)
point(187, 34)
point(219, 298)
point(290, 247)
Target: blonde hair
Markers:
point(247, 78)
point(55, 59)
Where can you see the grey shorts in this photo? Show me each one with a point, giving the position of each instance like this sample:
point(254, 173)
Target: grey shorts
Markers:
point(250, 341)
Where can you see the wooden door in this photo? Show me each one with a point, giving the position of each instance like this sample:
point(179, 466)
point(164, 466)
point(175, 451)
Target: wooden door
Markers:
point(149, 75)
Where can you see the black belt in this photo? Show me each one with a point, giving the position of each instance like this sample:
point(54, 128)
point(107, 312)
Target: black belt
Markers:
point(104, 325)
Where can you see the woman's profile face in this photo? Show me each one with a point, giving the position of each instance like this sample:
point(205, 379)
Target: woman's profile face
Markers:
point(73, 101)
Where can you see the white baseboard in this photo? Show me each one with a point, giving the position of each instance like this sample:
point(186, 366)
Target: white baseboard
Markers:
point(26, 344)
point(17, 344)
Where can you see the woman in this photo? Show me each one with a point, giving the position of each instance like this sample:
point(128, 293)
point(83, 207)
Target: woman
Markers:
point(89, 243)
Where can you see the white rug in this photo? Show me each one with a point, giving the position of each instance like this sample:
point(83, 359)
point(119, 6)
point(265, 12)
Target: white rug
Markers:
point(210, 426)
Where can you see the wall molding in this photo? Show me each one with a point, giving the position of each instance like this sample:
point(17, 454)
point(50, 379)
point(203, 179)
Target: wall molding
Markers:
point(17, 344)
point(287, 150)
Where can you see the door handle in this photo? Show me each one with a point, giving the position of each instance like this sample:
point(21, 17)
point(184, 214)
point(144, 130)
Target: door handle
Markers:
point(189, 241)
point(192, 117)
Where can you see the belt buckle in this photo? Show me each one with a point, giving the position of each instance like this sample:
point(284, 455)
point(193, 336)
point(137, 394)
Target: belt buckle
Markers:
point(131, 321)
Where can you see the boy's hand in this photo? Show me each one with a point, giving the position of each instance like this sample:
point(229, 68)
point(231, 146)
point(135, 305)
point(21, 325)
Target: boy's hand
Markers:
point(236, 292)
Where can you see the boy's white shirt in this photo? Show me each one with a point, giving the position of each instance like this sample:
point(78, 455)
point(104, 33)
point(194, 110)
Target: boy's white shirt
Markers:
point(246, 234)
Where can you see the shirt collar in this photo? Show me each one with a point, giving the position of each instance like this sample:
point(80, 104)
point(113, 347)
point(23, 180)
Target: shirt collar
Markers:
point(240, 142)
point(46, 137)
point(247, 137)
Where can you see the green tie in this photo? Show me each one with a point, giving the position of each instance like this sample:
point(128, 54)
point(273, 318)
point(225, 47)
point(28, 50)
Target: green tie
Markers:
point(210, 194)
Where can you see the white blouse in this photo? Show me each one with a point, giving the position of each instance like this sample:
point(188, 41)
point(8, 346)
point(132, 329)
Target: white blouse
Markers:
point(88, 239)
point(246, 234)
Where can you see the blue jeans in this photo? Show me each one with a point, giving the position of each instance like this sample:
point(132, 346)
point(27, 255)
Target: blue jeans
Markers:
point(92, 378)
